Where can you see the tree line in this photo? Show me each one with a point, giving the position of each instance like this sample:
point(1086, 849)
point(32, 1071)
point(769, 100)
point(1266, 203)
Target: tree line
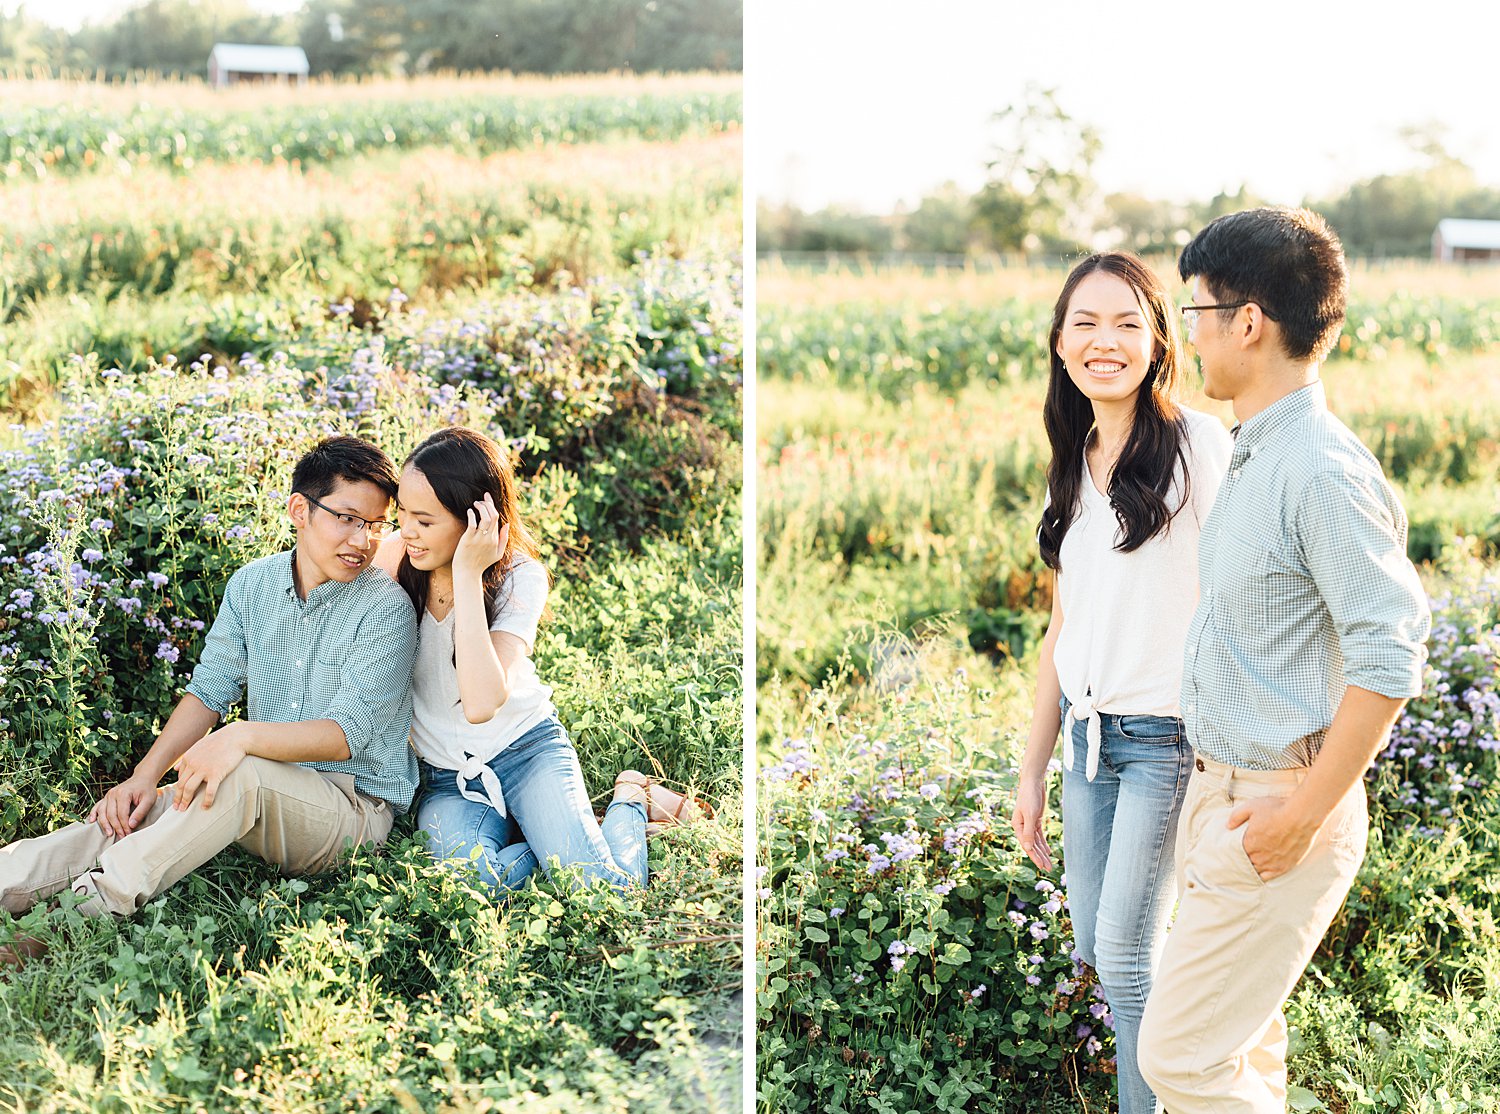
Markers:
point(360, 37)
point(1039, 198)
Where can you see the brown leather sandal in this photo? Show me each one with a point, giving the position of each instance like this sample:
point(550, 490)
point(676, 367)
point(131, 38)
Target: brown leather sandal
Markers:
point(20, 951)
point(660, 816)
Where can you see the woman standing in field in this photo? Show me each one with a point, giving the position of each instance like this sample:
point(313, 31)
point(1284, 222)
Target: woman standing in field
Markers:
point(493, 754)
point(1132, 477)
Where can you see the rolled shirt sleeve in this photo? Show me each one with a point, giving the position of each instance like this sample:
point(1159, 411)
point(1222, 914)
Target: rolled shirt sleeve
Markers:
point(219, 677)
point(344, 653)
point(1351, 535)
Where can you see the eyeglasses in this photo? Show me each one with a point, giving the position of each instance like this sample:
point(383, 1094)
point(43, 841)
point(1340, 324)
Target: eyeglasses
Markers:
point(1190, 313)
point(351, 523)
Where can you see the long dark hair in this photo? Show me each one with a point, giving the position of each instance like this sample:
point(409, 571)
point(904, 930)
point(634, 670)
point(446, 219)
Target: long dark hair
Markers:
point(463, 466)
point(1142, 477)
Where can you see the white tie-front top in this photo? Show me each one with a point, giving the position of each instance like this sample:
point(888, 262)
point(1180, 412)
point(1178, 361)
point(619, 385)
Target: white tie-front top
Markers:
point(440, 732)
point(1126, 615)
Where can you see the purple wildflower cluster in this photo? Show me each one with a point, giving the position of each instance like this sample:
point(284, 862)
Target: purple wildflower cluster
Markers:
point(1445, 747)
point(888, 840)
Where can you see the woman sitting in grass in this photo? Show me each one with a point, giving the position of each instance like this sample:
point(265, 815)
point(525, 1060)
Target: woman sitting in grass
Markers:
point(494, 757)
point(1132, 477)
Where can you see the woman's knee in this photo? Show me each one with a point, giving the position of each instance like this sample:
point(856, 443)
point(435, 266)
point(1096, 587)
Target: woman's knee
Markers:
point(1124, 969)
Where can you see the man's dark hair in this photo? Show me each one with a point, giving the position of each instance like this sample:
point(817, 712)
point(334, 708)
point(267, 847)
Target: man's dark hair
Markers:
point(342, 457)
point(1287, 261)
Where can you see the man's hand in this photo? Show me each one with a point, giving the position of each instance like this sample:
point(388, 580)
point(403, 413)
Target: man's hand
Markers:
point(120, 810)
point(208, 762)
point(1275, 840)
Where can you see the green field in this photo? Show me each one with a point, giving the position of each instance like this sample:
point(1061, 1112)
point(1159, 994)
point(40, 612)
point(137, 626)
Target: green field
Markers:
point(900, 600)
point(178, 322)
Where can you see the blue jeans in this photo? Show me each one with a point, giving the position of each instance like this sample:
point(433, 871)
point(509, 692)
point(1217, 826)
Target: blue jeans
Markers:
point(1119, 851)
point(549, 809)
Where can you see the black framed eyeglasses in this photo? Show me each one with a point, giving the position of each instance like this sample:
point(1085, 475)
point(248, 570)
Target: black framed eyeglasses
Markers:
point(1190, 313)
point(378, 528)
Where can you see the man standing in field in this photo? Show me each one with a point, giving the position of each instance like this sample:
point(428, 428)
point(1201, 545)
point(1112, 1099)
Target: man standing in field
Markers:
point(1308, 639)
point(320, 645)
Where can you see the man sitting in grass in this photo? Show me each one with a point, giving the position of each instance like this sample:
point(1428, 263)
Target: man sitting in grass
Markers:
point(320, 645)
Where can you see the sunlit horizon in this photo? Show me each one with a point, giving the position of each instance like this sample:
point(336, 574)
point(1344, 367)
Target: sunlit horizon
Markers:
point(872, 105)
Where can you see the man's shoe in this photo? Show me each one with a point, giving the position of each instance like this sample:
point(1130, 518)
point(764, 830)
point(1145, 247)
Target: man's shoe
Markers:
point(21, 951)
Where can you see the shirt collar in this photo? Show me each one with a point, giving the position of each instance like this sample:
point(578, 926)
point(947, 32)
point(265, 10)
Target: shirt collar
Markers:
point(1282, 414)
point(324, 593)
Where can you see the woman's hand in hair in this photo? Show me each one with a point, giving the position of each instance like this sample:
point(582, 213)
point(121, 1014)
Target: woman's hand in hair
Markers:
point(483, 542)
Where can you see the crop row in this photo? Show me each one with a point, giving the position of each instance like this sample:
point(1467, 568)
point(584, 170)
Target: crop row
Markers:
point(39, 141)
point(435, 220)
point(890, 348)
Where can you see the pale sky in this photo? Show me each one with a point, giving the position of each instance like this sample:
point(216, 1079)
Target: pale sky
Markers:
point(869, 102)
point(73, 14)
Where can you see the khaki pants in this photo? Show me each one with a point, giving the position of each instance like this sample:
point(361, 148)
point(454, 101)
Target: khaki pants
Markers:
point(1213, 1039)
point(297, 818)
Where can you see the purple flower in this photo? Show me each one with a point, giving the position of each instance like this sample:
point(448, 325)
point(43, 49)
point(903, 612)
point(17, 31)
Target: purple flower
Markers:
point(158, 580)
point(167, 652)
point(92, 556)
point(943, 889)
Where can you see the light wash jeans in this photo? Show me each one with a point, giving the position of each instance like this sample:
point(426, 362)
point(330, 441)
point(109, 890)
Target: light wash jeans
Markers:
point(549, 809)
point(1119, 847)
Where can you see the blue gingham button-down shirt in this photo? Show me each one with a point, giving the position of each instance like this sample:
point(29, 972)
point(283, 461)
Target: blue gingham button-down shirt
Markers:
point(345, 653)
point(1305, 588)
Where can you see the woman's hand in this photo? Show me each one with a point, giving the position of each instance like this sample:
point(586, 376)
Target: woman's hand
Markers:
point(1029, 822)
point(483, 542)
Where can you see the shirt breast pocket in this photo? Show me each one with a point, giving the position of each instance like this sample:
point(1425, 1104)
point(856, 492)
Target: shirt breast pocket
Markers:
point(1240, 571)
point(324, 681)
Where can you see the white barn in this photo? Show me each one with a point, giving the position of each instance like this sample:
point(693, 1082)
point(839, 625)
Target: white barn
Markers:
point(232, 63)
point(1460, 241)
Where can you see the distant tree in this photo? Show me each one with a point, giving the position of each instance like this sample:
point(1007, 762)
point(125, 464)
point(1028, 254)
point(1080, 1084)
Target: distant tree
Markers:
point(690, 35)
point(834, 229)
point(1040, 179)
point(1144, 225)
point(1223, 203)
point(27, 43)
point(940, 223)
point(523, 36)
point(175, 36)
point(1396, 214)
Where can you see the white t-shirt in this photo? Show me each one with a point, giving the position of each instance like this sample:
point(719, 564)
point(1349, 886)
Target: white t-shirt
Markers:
point(439, 730)
point(1126, 615)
